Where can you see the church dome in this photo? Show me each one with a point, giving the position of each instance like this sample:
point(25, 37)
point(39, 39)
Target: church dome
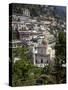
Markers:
point(44, 42)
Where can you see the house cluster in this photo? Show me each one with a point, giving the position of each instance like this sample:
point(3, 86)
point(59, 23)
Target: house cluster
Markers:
point(35, 32)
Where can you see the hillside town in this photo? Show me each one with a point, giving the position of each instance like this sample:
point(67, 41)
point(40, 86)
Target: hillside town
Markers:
point(34, 33)
point(38, 33)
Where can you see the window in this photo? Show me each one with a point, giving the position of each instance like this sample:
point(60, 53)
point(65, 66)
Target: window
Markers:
point(36, 61)
point(47, 61)
point(41, 60)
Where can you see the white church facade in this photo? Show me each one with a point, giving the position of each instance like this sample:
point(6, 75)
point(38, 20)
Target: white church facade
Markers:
point(43, 54)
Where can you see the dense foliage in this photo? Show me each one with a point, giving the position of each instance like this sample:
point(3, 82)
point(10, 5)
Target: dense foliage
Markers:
point(60, 59)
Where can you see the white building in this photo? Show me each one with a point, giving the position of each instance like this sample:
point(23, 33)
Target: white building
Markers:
point(43, 54)
point(26, 12)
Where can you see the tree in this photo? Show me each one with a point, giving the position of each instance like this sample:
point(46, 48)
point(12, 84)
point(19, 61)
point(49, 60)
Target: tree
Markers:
point(24, 72)
point(60, 59)
point(61, 46)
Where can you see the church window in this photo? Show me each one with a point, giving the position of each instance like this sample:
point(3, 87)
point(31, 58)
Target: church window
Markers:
point(41, 60)
point(36, 61)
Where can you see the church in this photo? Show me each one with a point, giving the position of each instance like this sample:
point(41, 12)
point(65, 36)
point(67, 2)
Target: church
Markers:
point(43, 54)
